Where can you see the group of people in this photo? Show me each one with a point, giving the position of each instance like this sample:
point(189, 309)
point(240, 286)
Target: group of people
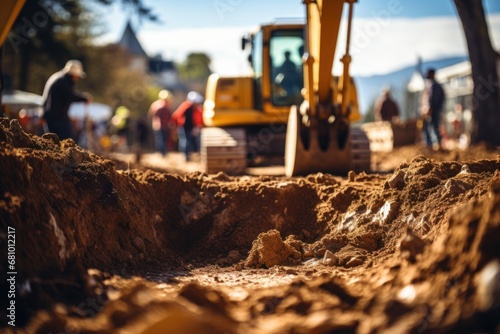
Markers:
point(187, 119)
point(431, 107)
point(59, 93)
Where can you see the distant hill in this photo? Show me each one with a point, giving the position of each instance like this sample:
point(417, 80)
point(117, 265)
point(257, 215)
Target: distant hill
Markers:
point(369, 87)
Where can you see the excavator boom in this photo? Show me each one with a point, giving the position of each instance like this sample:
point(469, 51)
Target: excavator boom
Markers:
point(322, 28)
point(292, 97)
point(8, 14)
point(319, 135)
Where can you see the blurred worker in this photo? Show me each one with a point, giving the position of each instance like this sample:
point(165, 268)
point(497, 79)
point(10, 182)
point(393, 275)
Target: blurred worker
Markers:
point(432, 104)
point(120, 127)
point(160, 113)
point(141, 137)
point(189, 120)
point(288, 77)
point(58, 95)
point(288, 65)
point(457, 122)
point(386, 108)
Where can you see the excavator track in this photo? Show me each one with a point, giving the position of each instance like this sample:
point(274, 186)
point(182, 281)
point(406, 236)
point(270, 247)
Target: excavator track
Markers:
point(224, 150)
point(360, 147)
point(380, 135)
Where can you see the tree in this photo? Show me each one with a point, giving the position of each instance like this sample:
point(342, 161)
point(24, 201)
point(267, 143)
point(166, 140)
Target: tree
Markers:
point(111, 81)
point(35, 39)
point(484, 61)
point(196, 67)
point(49, 32)
point(370, 114)
point(137, 7)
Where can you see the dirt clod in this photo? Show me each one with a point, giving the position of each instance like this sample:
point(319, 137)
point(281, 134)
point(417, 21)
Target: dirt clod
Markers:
point(270, 250)
point(411, 245)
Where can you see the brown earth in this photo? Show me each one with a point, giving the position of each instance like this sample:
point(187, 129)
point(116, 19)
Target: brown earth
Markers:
point(101, 250)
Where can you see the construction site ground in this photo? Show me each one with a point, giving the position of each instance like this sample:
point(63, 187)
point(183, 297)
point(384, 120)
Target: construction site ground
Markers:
point(106, 245)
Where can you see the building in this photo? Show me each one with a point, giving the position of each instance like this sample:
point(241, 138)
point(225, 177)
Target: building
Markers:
point(457, 113)
point(164, 71)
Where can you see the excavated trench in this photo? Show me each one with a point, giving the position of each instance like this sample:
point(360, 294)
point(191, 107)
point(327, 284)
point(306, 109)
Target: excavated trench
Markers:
point(372, 253)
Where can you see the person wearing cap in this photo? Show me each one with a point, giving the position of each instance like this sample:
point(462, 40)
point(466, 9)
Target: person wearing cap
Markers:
point(189, 120)
point(58, 95)
point(433, 99)
point(386, 109)
point(160, 113)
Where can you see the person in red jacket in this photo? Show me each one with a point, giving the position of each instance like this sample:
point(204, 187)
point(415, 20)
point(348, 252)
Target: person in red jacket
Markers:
point(160, 113)
point(189, 120)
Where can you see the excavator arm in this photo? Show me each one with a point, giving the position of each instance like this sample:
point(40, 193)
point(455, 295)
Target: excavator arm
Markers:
point(319, 135)
point(8, 14)
point(321, 35)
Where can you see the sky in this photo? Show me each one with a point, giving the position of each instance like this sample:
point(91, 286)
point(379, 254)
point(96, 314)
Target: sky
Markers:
point(387, 34)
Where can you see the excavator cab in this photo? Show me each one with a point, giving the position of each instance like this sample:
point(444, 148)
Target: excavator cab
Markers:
point(286, 48)
point(246, 116)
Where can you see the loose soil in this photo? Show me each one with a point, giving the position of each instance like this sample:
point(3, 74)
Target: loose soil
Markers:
point(104, 250)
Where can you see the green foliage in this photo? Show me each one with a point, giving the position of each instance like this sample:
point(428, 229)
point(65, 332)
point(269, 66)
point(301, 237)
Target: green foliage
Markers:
point(136, 7)
point(196, 67)
point(370, 115)
point(48, 33)
point(45, 35)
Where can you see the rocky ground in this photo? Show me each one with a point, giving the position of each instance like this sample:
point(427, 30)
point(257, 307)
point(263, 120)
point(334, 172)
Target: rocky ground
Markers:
point(102, 247)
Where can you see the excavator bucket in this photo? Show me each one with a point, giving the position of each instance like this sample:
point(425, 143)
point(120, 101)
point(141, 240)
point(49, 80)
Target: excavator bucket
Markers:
point(306, 152)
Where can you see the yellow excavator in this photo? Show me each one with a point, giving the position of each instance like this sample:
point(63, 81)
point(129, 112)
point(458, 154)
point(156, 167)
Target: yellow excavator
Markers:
point(292, 104)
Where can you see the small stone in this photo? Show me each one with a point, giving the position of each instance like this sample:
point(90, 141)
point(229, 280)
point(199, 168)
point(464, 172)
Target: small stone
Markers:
point(397, 180)
point(355, 261)
point(488, 286)
point(330, 259)
point(407, 295)
point(75, 157)
point(495, 185)
point(465, 169)
point(309, 272)
point(456, 187)
point(411, 245)
point(52, 137)
point(221, 176)
point(307, 251)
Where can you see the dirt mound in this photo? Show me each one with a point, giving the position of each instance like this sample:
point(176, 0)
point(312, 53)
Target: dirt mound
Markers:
point(414, 251)
point(388, 161)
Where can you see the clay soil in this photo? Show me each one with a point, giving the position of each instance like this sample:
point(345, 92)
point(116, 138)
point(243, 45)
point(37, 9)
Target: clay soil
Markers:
point(101, 248)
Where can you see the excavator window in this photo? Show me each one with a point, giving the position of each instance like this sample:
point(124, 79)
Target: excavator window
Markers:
point(285, 50)
point(256, 57)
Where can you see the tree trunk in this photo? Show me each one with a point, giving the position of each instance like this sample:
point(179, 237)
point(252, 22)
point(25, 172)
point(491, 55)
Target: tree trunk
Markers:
point(484, 59)
point(2, 84)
